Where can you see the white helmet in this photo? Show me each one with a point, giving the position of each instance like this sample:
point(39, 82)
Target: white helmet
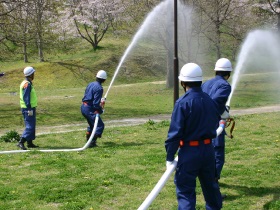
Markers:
point(28, 71)
point(223, 64)
point(101, 74)
point(190, 72)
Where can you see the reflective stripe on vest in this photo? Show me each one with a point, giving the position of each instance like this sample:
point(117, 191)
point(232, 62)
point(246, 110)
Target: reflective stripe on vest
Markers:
point(33, 96)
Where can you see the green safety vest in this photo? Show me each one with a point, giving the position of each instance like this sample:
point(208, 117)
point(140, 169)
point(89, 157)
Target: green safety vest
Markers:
point(33, 96)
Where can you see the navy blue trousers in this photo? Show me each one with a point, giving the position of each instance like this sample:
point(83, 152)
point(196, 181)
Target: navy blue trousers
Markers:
point(30, 125)
point(193, 162)
point(219, 147)
point(88, 113)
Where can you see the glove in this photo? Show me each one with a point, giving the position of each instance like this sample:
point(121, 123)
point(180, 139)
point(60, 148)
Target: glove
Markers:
point(168, 163)
point(225, 115)
point(102, 102)
point(30, 112)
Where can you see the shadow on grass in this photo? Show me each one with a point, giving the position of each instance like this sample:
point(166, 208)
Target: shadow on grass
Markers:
point(126, 144)
point(54, 148)
point(256, 191)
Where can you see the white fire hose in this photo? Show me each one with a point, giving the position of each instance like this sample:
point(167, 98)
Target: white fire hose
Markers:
point(61, 150)
point(153, 194)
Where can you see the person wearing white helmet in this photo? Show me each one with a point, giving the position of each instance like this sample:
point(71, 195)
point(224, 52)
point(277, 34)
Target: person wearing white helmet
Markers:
point(28, 104)
point(219, 90)
point(193, 125)
point(92, 104)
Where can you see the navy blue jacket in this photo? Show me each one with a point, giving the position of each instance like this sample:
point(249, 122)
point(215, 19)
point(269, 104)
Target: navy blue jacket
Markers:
point(219, 90)
point(194, 117)
point(93, 95)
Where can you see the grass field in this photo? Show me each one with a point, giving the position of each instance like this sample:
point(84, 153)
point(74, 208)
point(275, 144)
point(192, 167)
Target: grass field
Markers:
point(60, 106)
point(129, 161)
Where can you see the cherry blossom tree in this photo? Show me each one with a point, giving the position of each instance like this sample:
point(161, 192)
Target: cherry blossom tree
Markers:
point(91, 18)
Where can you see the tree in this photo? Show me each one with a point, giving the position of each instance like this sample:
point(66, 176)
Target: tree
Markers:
point(92, 18)
point(16, 24)
point(216, 15)
point(275, 7)
point(5, 10)
point(42, 10)
point(27, 23)
point(266, 11)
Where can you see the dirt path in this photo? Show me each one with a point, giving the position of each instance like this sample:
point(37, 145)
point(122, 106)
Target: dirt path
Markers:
point(41, 130)
point(137, 121)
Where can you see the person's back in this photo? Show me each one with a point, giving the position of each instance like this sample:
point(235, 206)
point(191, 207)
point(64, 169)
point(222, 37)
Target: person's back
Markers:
point(219, 90)
point(93, 95)
point(200, 111)
point(193, 125)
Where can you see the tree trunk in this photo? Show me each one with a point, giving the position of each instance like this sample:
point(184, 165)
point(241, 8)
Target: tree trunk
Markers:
point(278, 23)
point(40, 48)
point(170, 73)
point(218, 41)
point(25, 52)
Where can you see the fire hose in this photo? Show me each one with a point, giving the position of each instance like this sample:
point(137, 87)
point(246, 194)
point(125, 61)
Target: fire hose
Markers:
point(230, 121)
point(61, 150)
point(153, 194)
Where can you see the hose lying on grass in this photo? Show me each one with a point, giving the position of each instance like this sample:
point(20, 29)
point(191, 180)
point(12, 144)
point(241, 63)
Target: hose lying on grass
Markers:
point(61, 150)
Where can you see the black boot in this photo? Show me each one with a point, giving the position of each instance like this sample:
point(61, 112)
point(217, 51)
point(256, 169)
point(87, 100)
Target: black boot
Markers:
point(31, 145)
point(21, 143)
point(93, 143)
point(88, 134)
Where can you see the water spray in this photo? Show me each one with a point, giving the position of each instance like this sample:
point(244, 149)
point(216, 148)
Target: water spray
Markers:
point(136, 37)
point(267, 41)
point(164, 178)
point(61, 150)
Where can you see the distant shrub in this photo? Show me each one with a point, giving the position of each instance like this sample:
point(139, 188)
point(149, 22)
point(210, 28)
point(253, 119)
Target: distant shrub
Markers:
point(11, 136)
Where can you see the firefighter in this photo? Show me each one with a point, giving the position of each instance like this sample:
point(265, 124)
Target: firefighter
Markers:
point(219, 90)
point(28, 104)
point(193, 125)
point(92, 104)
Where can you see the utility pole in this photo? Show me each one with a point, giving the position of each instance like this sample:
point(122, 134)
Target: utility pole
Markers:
point(176, 62)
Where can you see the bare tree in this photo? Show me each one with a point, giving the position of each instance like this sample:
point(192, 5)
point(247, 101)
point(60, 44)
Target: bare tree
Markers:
point(42, 11)
point(5, 10)
point(216, 15)
point(16, 24)
point(275, 7)
point(26, 23)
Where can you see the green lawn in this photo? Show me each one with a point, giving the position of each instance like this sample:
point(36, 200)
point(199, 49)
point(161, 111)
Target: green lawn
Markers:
point(129, 161)
point(60, 106)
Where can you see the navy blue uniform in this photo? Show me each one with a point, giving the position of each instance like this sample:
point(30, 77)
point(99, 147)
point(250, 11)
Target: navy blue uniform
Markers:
point(194, 120)
point(91, 106)
point(219, 90)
